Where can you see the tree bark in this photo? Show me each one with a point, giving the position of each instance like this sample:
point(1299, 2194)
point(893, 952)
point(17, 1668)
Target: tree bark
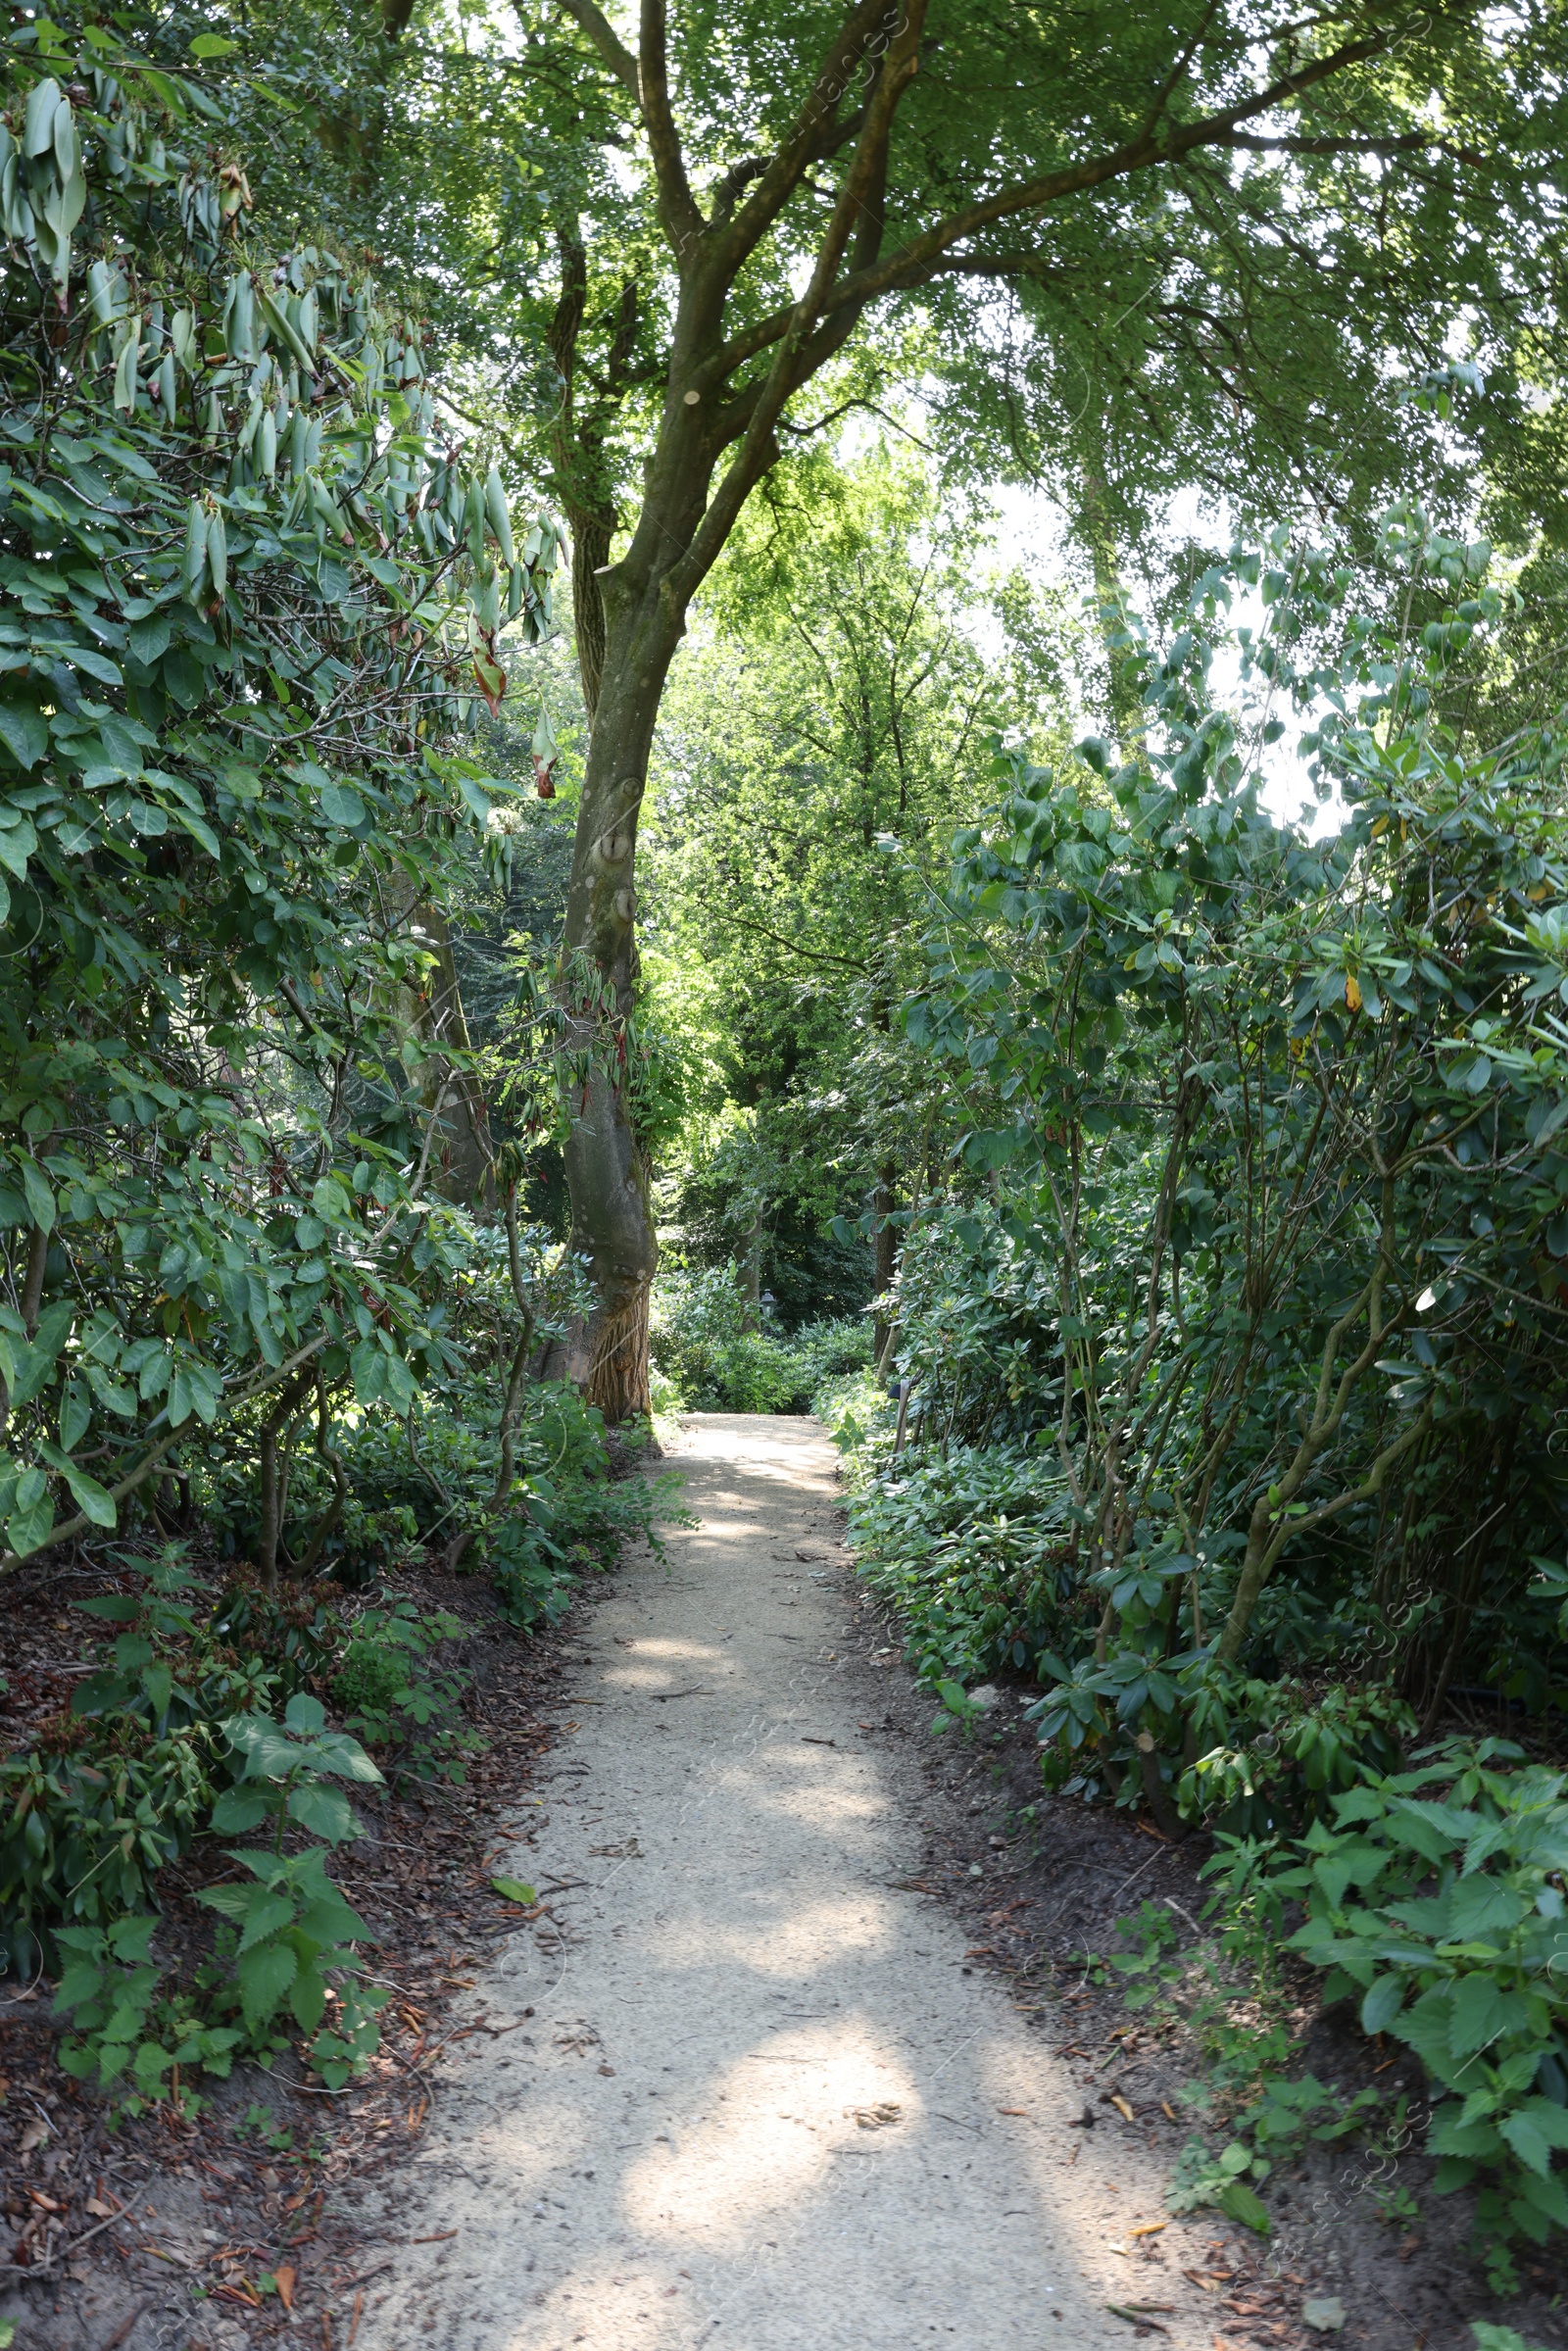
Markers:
point(887, 1249)
point(607, 1170)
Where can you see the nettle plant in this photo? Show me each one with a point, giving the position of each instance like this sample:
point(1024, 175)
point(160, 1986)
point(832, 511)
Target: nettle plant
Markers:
point(251, 603)
point(284, 1958)
point(287, 1930)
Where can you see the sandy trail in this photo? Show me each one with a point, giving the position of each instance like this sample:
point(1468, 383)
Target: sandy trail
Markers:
point(670, 2152)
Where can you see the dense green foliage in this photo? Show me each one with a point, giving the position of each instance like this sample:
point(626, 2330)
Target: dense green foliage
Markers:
point(265, 1301)
point(1165, 1204)
point(713, 1358)
point(1230, 1359)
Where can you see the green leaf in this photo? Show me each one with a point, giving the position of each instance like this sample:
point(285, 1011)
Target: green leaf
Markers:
point(25, 733)
point(40, 1198)
point(213, 45)
point(1382, 2004)
point(1528, 2142)
point(264, 1914)
point(341, 806)
point(1237, 2200)
point(157, 1685)
point(239, 1810)
point(324, 1812)
point(95, 1501)
point(516, 1891)
point(263, 1975)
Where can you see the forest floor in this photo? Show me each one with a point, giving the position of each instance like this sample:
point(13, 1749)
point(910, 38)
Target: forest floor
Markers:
point(798, 2045)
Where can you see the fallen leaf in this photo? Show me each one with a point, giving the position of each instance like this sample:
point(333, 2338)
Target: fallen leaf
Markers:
point(516, 1891)
point(284, 2277)
point(1148, 2229)
point(1123, 2109)
point(1013, 2109)
point(1326, 2316)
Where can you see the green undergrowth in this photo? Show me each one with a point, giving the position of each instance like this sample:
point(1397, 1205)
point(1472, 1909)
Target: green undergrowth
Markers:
point(709, 1356)
point(1426, 1908)
point(1415, 1888)
point(221, 1706)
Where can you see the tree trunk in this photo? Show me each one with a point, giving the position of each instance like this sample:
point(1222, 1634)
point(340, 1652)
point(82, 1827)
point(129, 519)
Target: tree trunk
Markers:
point(606, 1172)
point(887, 1249)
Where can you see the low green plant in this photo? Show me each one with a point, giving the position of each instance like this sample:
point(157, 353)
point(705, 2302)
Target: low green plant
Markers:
point(125, 2037)
point(963, 1548)
point(296, 1630)
point(262, 2122)
point(287, 1933)
point(1298, 1747)
point(92, 1820)
point(1148, 1970)
point(280, 1938)
point(398, 1698)
point(956, 1707)
point(171, 1665)
point(1397, 2207)
point(290, 1929)
point(708, 1347)
point(1436, 1900)
point(531, 1579)
point(1201, 2177)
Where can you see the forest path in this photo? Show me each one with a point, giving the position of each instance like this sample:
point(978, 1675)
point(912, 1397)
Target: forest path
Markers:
point(666, 2152)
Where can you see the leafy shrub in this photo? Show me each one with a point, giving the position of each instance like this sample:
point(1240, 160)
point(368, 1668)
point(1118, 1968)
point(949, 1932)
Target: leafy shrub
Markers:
point(395, 1696)
point(856, 1411)
point(975, 1560)
point(531, 1581)
point(120, 2028)
point(704, 1343)
point(281, 1937)
point(90, 1827)
point(1301, 1748)
point(1436, 1897)
point(294, 1630)
point(827, 1352)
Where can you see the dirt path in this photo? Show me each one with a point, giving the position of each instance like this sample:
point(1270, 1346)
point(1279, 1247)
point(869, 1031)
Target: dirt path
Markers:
point(744, 2092)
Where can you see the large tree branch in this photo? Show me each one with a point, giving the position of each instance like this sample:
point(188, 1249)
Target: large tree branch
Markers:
point(808, 338)
point(615, 55)
point(934, 252)
point(867, 34)
point(1405, 142)
point(682, 222)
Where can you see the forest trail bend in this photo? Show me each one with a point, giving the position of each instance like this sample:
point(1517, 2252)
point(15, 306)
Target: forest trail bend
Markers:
point(758, 2104)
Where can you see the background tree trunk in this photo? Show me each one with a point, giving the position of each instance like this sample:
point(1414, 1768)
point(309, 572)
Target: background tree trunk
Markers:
point(886, 1243)
point(607, 1171)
